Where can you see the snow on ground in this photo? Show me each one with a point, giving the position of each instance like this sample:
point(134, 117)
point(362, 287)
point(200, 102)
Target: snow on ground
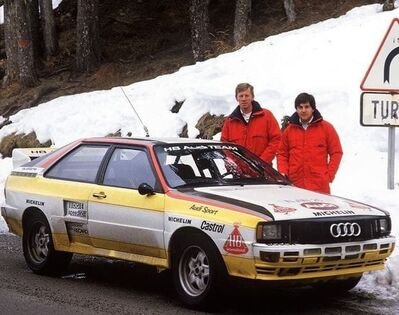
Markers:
point(327, 59)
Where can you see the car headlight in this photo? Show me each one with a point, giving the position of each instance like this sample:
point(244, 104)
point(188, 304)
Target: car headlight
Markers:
point(384, 226)
point(269, 232)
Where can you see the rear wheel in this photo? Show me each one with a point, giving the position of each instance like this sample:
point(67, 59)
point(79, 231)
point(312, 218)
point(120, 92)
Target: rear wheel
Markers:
point(38, 248)
point(198, 271)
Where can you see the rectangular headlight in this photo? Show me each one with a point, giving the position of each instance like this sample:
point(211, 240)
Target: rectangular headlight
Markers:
point(269, 232)
point(384, 226)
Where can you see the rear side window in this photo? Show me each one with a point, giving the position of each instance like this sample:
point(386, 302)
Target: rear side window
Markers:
point(82, 164)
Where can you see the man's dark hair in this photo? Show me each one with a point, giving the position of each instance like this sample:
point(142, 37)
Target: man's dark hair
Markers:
point(305, 98)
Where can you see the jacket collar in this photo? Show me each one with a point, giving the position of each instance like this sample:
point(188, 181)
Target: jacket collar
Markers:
point(256, 110)
point(294, 119)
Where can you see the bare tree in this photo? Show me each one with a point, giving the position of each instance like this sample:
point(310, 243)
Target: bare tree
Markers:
point(32, 7)
point(49, 33)
point(10, 43)
point(88, 52)
point(199, 18)
point(26, 59)
point(18, 42)
point(289, 7)
point(242, 22)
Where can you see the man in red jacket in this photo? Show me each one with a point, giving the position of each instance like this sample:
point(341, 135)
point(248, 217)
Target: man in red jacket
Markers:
point(310, 151)
point(252, 126)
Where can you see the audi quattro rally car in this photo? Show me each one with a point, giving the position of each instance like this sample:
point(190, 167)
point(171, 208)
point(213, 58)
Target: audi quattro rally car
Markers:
point(203, 209)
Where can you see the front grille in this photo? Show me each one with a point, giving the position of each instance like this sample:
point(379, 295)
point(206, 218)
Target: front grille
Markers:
point(318, 231)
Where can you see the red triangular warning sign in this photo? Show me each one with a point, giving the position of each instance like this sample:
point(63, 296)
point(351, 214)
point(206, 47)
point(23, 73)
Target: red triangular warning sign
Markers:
point(382, 74)
point(235, 243)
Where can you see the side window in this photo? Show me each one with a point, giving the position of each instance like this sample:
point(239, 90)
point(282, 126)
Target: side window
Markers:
point(129, 168)
point(82, 164)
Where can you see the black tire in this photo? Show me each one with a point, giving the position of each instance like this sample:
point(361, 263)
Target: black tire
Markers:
point(198, 271)
point(338, 287)
point(38, 248)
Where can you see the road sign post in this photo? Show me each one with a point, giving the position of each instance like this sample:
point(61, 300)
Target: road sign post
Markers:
point(379, 105)
point(391, 157)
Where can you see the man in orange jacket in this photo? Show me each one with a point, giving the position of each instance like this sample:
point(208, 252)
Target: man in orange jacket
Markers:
point(310, 151)
point(252, 126)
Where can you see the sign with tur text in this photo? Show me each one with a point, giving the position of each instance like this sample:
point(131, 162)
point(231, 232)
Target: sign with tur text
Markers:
point(383, 72)
point(379, 109)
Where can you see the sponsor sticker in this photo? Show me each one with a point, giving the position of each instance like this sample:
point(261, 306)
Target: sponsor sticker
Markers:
point(316, 205)
point(201, 147)
point(77, 228)
point(35, 202)
point(75, 209)
point(203, 209)
point(332, 212)
point(281, 209)
point(358, 205)
point(179, 220)
point(212, 227)
point(235, 243)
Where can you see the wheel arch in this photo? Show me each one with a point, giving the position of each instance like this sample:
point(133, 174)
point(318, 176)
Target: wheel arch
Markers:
point(28, 213)
point(184, 232)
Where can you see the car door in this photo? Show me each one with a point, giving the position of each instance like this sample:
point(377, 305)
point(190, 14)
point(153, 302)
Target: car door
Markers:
point(67, 186)
point(120, 218)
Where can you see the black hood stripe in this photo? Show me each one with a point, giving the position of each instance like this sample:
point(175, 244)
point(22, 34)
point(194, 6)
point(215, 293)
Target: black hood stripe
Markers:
point(251, 207)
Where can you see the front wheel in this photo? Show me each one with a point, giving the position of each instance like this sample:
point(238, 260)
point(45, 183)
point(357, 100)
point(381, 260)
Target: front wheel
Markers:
point(38, 248)
point(198, 270)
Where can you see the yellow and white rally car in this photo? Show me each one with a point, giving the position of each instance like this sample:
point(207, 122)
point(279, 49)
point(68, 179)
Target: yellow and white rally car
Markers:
point(203, 209)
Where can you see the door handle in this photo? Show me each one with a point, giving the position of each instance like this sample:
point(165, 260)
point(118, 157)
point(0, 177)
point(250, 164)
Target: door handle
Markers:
point(100, 195)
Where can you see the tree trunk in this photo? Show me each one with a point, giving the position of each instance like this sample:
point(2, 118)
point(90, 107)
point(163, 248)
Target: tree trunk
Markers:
point(18, 43)
point(9, 42)
point(88, 52)
point(33, 21)
point(26, 61)
point(242, 22)
point(289, 7)
point(199, 19)
point(49, 33)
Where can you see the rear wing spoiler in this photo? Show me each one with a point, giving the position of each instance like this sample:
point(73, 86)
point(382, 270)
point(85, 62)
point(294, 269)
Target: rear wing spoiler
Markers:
point(24, 155)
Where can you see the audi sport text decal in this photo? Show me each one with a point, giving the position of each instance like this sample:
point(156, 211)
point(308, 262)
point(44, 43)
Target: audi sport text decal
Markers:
point(280, 209)
point(235, 243)
point(203, 209)
point(315, 205)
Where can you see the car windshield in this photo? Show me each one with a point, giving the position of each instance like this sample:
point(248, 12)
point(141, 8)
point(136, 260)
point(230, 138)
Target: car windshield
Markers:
point(213, 164)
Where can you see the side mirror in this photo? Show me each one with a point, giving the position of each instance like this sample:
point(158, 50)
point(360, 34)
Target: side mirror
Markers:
point(145, 189)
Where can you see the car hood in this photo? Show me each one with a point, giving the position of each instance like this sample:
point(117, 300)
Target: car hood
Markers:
point(288, 202)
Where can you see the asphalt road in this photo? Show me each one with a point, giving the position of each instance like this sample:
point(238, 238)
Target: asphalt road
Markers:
point(104, 286)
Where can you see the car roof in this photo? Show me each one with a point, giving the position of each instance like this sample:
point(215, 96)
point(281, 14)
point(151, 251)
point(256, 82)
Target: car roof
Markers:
point(147, 140)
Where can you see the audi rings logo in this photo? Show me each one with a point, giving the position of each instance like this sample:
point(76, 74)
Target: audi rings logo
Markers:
point(345, 229)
